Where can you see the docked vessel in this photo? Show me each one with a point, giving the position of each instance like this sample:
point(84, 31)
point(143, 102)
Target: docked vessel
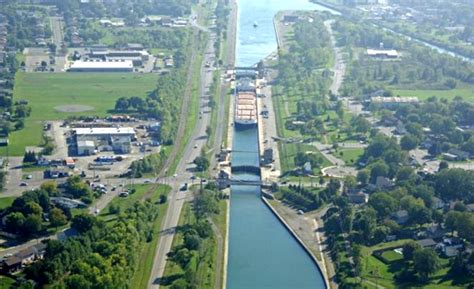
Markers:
point(245, 115)
point(245, 110)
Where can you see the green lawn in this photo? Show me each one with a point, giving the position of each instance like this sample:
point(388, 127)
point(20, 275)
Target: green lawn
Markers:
point(6, 282)
point(383, 274)
point(6, 202)
point(467, 93)
point(46, 91)
point(349, 156)
point(288, 153)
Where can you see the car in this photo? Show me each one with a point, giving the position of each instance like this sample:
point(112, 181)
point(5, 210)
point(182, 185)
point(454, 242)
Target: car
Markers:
point(23, 184)
point(184, 187)
point(193, 177)
point(29, 177)
point(175, 175)
point(123, 194)
point(195, 146)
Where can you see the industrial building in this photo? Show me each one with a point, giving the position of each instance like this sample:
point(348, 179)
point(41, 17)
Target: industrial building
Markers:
point(383, 53)
point(101, 66)
point(92, 140)
point(138, 57)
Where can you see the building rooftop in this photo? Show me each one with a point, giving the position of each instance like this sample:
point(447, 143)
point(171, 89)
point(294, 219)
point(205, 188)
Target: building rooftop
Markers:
point(105, 131)
point(381, 99)
point(126, 64)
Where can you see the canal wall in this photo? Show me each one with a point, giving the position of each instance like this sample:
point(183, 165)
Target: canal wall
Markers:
point(298, 239)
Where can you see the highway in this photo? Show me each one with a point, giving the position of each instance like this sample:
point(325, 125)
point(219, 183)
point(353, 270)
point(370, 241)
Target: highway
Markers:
point(184, 170)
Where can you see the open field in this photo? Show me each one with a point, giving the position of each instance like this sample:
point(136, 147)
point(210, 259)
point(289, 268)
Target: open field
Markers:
point(467, 93)
point(350, 156)
point(69, 92)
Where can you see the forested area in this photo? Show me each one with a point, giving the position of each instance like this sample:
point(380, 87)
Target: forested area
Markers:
point(33, 214)
point(420, 67)
point(131, 10)
point(102, 255)
point(194, 253)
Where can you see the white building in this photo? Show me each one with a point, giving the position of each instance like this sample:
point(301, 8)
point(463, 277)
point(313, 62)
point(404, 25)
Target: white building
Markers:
point(117, 139)
point(383, 53)
point(101, 66)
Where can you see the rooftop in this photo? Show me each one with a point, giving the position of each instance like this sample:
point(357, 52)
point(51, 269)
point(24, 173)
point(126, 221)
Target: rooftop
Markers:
point(105, 131)
point(126, 64)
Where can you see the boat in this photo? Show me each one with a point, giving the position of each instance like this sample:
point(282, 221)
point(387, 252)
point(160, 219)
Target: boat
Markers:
point(245, 110)
point(255, 24)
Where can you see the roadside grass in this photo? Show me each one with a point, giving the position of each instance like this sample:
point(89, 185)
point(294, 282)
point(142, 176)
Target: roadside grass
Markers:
point(221, 222)
point(208, 251)
point(6, 202)
point(192, 113)
point(467, 93)
point(46, 91)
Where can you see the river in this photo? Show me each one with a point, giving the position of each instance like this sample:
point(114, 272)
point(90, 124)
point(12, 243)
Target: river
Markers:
point(262, 253)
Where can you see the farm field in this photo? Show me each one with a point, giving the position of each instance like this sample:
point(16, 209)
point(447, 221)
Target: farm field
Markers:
point(54, 96)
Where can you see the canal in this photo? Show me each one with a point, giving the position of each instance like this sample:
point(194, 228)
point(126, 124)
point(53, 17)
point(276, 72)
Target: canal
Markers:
point(262, 253)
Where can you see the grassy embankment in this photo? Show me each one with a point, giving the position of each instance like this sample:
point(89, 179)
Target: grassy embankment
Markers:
point(45, 92)
point(206, 271)
point(141, 276)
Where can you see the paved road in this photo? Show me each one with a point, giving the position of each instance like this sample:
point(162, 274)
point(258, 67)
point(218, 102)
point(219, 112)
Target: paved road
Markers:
point(339, 68)
point(184, 172)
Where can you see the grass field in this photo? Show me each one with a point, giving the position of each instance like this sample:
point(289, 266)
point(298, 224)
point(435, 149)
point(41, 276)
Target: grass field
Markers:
point(6, 282)
point(6, 202)
point(467, 93)
point(46, 91)
point(349, 156)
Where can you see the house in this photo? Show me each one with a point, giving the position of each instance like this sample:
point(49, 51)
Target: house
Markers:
point(470, 207)
point(11, 264)
point(383, 183)
point(450, 247)
point(459, 155)
point(437, 203)
point(401, 217)
point(357, 197)
point(435, 231)
point(427, 243)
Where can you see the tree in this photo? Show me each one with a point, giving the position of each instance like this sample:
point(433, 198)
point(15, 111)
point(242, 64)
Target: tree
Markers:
point(29, 157)
point(57, 217)
point(14, 222)
point(363, 177)
point(409, 249)
point(425, 262)
point(32, 225)
point(202, 163)
point(83, 223)
point(383, 203)
point(77, 282)
point(443, 165)
point(409, 142)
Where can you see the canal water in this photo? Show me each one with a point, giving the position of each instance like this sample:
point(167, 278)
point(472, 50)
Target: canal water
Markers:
point(262, 253)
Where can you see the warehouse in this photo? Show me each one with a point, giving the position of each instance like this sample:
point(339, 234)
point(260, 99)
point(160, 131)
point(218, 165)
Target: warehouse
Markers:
point(101, 66)
point(91, 140)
